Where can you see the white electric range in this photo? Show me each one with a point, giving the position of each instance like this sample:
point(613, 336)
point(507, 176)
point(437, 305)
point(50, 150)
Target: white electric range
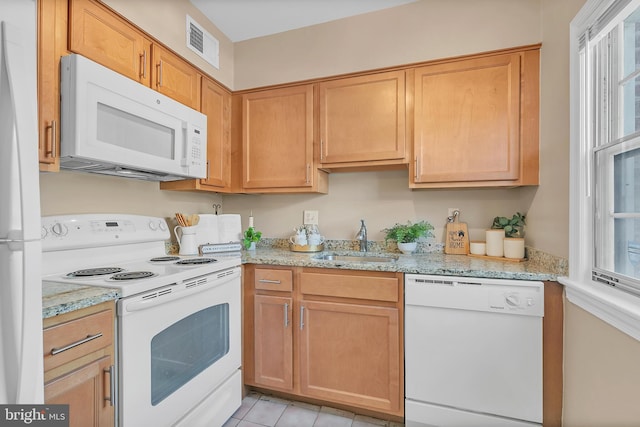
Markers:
point(178, 319)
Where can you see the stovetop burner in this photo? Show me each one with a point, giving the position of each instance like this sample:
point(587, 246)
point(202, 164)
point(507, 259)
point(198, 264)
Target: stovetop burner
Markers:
point(164, 258)
point(196, 261)
point(132, 275)
point(90, 272)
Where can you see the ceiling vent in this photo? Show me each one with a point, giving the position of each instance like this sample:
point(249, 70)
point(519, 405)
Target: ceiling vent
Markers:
point(203, 43)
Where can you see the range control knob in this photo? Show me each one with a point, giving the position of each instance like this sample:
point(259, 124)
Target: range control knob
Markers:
point(43, 232)
point(59, 229)
point(153, 226)
point(163, 226)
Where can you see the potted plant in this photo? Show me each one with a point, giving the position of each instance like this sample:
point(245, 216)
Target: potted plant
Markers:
point(513, 227)
point(406, 235)
point(250, 238)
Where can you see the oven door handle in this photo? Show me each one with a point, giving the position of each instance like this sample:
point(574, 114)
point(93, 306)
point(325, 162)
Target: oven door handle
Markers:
point(167, 294)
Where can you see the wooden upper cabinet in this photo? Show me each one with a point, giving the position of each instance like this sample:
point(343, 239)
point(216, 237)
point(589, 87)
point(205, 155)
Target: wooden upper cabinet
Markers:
point(52, 44)
point(278, 141)
point(175, 77)
point(216, 105)
point(475, 122)
point(362, 120)
point(104, 37)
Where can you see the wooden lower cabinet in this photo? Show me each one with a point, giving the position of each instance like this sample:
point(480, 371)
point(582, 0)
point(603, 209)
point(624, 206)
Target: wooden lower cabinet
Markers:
point(350, 353)
point(327, 336)
point(79, 364)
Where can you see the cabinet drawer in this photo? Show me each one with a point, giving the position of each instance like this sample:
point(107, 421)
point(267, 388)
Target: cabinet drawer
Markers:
point(274, 280)
point(76, 338)
point(351, 286)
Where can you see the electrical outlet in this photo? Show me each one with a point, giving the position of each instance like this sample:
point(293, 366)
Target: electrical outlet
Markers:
point(310, 218)
point(451, 210)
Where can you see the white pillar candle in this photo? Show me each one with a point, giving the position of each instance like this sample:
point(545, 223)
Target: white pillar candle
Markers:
point(251, 219)
point(514, 248)
point(477, 248)
point(495, 238)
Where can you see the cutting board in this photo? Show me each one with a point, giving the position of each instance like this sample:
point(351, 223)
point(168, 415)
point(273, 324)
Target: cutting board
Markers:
point(456, 236)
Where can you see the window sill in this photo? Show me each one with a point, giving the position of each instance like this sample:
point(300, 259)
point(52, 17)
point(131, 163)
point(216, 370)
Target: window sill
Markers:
point(618, 308)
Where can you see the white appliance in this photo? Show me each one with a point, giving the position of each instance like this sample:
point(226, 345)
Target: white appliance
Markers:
point(116, 126)
point(21, 367)
point(473, 352)
point(178, 321)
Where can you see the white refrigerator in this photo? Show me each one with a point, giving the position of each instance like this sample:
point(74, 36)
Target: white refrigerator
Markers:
point(21, 370)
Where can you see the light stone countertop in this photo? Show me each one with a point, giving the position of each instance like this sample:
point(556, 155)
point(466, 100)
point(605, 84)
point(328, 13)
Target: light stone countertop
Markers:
point(423, 263)
point(60, 298)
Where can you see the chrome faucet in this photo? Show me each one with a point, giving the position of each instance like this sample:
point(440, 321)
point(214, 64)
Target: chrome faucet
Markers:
point(362, 236)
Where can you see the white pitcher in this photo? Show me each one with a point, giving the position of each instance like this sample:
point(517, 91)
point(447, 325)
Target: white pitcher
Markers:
point(187, 240)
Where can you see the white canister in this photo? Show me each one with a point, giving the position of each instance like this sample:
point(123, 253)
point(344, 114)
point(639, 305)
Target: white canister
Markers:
point(514, 247)
point(477, 248)
point(495, 239)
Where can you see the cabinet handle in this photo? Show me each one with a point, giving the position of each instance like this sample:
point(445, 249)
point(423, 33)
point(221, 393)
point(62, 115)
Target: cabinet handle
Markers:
point(112, 385)
point(143, 58)
point(275, 282)
point(301, 317)
point(159, 79)
point(59, 350)
point(208, 170)
point(54, 130)
point(415, 170)
point(286, 315)
point(308, 170)
point(321, 149)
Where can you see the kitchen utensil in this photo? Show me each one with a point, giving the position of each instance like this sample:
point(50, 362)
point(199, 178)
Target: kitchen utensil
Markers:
point(457, 236)
point(187, 240)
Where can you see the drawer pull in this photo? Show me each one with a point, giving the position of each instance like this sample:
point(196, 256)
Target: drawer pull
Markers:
point(55, 351)
point(112, 385)
point(275, 282)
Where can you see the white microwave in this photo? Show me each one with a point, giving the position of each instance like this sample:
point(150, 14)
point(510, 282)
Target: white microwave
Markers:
point(116, 126)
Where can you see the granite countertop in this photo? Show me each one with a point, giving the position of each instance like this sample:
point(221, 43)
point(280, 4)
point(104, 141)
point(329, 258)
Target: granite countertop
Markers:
point(424, 263)
point(60, 298)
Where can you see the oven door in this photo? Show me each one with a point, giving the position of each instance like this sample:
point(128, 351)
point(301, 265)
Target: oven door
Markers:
point(177, 345)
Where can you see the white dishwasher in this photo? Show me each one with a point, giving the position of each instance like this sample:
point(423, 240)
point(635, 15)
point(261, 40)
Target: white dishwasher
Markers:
point(473, 351)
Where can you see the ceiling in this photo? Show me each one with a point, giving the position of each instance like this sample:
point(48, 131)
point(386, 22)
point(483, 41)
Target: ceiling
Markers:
point(246, 19)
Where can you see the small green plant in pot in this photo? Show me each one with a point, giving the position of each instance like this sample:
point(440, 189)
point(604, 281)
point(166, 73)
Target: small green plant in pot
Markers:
point(406, 235)
point(513, 227)
point(251, 237)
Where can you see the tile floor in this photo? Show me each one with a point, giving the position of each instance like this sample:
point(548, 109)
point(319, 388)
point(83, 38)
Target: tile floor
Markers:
point(260, 410)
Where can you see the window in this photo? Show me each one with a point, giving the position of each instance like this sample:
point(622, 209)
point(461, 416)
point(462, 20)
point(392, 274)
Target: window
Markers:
point(605, 162)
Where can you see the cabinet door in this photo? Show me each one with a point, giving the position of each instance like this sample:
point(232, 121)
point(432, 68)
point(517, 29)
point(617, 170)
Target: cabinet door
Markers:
point(278, 129)
point(52, 43)
point(273, 341)
point(87, 391)
point(101, 35)
point(467, 121)
point(350, 354)
point(175, 77)
point(216, 105)
point(362, 119)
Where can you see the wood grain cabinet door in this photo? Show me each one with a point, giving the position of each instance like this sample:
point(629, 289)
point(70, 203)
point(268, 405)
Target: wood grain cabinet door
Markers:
point(349, 353)
point(175, 77)
point(273, 341)
point(278, 129)
point(467, 121)
point(104, 37)
point(216, 105)
point(362, 119)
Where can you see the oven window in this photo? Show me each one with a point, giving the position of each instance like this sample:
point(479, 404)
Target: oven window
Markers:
point(186, 348)
point(125, 130)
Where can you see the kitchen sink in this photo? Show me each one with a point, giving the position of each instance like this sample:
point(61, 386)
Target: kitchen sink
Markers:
point(357, 258)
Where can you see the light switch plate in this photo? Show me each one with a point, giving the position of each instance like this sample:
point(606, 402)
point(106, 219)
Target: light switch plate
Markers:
point(310, 218)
